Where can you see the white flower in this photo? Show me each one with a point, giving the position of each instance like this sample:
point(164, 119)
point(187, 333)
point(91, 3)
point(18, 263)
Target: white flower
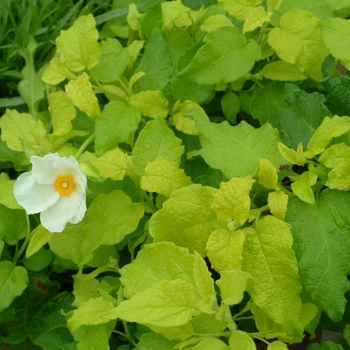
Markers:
point(55, 188)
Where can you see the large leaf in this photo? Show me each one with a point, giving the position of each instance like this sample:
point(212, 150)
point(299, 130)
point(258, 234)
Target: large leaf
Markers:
point(302, 115)
point(78, 47)
point(13, 281)
point(275, 286)
point(186, 218)
point(164, 304)
point(108, 220)
point(156, 139)
point(157, 63)
point(225, 56)
point(236, 151)
point(117, 122)
point(178, 263)
point(321, 244)
point(335, 33)
point(303, 48)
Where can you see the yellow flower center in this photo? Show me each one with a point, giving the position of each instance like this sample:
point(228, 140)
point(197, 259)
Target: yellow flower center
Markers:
point(64, 184)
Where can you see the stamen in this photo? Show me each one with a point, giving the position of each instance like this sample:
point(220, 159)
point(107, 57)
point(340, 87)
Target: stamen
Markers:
point(64, 184)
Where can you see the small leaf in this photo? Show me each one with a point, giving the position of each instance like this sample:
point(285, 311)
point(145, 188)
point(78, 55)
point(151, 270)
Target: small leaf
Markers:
point(62, 112)
point(156, 139)
point(56, 72)
point(329, 128)
point(182, 118)
point(277, 345)
point(13, 281)
point(241, 340)
point(92, 312)
point(151, 104)
point(233, 284)
point(211, 344)
point(13, 224)
point(113, 62)
point(225, 249)
point(39, 239)
point(277, 202)
point(19, 130)
point(267, 174)
point(6, 192)
point(283, 71)
point(110, 164)
point(232, 200)
point(256, 19)
point(164, 177)
point(165, 303)
point(78, 47)
point(80, 93)
point(240, 9)
point(302, 186)
point(117, 122)
point(294, 157)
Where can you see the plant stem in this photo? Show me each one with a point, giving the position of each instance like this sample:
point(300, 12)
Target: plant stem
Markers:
point(84, 146)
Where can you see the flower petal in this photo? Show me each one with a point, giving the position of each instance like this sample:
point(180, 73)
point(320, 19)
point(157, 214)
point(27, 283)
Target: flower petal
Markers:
point(43, 169)
point(81, 212)
point(56, 217)
point(68, 166)
point(32, 196)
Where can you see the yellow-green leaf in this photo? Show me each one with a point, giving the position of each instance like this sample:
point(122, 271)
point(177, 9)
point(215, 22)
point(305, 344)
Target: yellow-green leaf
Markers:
point(267, 174)
point(336, 36)
point(225, 249)
point(150, 103)
point(216, 21)
point(174, 12)
point(240, 340)
point(294, 157)
point(39, 239)
point(77, 47)
point(255, 19)
point(240, 9)
point(6, 192)
point(164, 177)
point(182, 122)
point(277, 202)
point(19, 131)
point(329, 128)
point(302, 186)
point(110, 164)
point(164, 304)
point(56, 72)
point(233, 284)
point(62, 112)
point(80, 92)
point(275, 287)
point(91, 312)
point(339, 177)
point(281, 70)
point(232, 201)
point(303, 48)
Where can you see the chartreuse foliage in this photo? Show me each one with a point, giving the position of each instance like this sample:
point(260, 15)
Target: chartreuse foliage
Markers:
point(215, 139)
